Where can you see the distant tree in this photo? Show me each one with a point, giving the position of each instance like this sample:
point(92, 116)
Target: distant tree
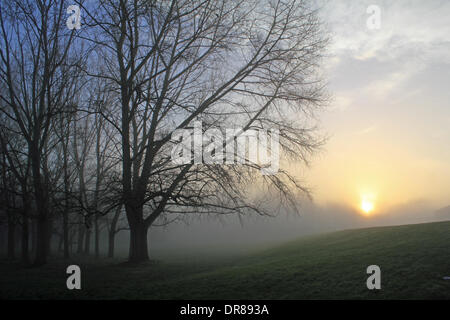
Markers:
point(95, 159)
point(38, 64)
point(16, 186)
point(114, 226)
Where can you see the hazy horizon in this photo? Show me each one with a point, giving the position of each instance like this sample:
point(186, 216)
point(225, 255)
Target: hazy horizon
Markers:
point(389, 121)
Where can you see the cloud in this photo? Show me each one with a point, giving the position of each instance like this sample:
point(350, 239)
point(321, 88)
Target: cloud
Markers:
point(407, 29)
point(385, 66)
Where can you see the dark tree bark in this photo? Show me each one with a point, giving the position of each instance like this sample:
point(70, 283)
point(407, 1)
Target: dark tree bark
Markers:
point(66, 234)
point(87, 240)
point(111, 244)
point(113, 231)
point(25, 222)
point(25, 239)
point(65, 213)
point(42, 232)
point(81, 231)
point(11, 238)
point(138, 243)
point(97, 237)
point(33, 237)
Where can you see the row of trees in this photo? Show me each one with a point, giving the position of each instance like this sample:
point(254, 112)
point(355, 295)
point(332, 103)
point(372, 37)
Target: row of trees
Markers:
point(87, 115)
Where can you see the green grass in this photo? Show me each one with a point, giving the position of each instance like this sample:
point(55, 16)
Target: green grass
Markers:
point(413, 261)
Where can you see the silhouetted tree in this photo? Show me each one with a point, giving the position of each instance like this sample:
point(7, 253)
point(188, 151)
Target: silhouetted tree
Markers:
point(38, 68)
point(228, 63)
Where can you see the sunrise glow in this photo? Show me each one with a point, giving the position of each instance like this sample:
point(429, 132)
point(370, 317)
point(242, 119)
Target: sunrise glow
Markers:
point(367, 204)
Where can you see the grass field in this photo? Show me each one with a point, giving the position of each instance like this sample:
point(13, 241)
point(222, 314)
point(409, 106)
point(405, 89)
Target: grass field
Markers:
point(413, 259)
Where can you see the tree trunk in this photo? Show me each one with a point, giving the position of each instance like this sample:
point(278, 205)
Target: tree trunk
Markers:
point(33, 237)
point(42, 239)
point(25, 227)
point(66, 191)
point(111, 243)
point(112, 232)
point(11, 238)
point(61, 244)
point(87, 241)
point(138, 242)
point(97, 238)
point(66, 233)
point(42, 230)
point(81, 230)
point(25, 240)
point(49, 234)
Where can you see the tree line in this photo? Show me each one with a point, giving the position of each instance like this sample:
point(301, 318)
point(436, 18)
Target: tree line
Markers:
point(87, 115)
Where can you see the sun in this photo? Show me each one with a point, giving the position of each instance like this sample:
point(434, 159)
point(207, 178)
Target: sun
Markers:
point(367, 204)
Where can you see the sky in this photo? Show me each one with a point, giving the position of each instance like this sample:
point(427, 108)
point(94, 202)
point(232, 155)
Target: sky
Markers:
point(389, 118)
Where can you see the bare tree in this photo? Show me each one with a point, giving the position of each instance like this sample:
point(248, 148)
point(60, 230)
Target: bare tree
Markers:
point(8, 207)
point(250, 64)
point(153, 68)
point(93, 155)
point(16, 189)
point(38, 67)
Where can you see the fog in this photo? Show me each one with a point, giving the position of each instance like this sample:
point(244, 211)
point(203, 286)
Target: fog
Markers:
point(233, 235)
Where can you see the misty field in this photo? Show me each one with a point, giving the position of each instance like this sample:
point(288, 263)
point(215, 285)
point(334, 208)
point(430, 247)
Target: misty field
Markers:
point(414, 260)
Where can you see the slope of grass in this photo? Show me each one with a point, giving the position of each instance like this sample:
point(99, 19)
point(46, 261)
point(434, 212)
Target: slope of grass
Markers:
point(414, 260)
